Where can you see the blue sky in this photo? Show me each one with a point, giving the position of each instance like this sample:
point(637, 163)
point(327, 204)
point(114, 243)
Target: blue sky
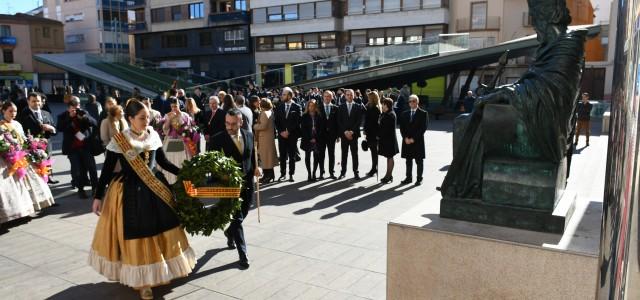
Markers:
point(15, 6)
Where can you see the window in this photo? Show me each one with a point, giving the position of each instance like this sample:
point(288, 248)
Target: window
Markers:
point(174, 41)
point(327, 40)
point(307, 11)
point(294, 42)
point(145, 42)
point(323, 9)
point(431, 35)
point(290, 12)
point(46, 32)
point(205, 38)
point(241, 5)
point(376, 37)
point(358, 37)
point(413, 34)
point(479, 15)
point(265, 43)
point(7, 54)
point(410, 4)
point(176, 13)
point(372, 6)
point(157, 15)
point(233, 37)
point(394, 36)
point(391, 5)
point(74, 17)
point(5, 30)
point(260, 16)
point(355, 7)
point(74, 38)
point(279, 43)
point(196, 10)
point(311, 41)
point(274, 13)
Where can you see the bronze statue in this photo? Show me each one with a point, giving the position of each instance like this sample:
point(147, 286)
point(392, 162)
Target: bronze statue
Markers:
point(529, 120)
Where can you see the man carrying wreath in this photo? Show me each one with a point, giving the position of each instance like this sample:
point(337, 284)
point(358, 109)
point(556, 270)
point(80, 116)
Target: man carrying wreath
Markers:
point(237, 143)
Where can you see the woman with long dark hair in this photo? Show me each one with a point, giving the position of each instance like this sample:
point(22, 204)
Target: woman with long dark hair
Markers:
point(387, 141)
point(312, 128)
point(138, 240)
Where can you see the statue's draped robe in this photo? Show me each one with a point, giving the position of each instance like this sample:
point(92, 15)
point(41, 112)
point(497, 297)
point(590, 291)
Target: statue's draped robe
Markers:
point(544, 98)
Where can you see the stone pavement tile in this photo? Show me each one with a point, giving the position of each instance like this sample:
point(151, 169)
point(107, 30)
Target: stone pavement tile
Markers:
point(347, 279)
point(328, 251)
point(204, 294)
point(73, 260)
point(287, 266)
point(269, 289)
point(379, 265)
point(171, 291)
point(333, 295)
point(326, 276)
point(282, 242)
point(98, 291)
point(32, 285)
point(10, 268)
point(372, 285)
point(83, 275)
point(241, 284)
point(304, 246)
point(313, 268)
point(293, 290)
point(261, 257)
point(38, 252)
point(314, 293)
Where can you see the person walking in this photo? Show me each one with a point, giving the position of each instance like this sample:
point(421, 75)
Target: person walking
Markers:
point(387, 141)
point(371, 128)
point(288, 116)
point(413, 125)
point(583, 111)
point(264, 130)
point(350, 116)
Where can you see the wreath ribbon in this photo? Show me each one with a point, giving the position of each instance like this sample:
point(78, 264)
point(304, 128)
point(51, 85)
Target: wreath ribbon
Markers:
point(143, 171)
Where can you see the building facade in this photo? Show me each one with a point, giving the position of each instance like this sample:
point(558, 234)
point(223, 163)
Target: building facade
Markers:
point(21, 36)
point(293, 32)
point(92, 26)
point(207, 38)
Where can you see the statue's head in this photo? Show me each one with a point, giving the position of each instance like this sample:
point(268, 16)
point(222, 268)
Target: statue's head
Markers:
point(549, 18)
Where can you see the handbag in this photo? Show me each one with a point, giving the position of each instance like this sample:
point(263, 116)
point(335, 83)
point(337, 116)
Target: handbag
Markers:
point(365, 145)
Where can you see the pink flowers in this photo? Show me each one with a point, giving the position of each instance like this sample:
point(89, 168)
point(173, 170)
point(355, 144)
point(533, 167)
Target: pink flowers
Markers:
point(38, 156)
point(13, 154)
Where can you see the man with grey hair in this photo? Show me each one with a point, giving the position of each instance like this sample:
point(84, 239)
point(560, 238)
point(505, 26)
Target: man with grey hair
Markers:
point(287, 119)
point(350, 116)
point(214, 118)
point(247, 114)
point(413, 125)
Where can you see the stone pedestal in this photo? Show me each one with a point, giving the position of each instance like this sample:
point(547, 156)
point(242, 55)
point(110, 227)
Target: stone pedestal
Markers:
point(429, 257)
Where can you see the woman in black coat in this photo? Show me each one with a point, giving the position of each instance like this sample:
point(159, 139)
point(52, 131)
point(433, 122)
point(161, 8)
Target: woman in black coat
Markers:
point(312, 127)
point(387, 142)
point(371, 128)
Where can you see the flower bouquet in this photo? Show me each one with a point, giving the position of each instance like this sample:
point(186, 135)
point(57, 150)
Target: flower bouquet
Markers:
point(38, 157)
point(13, 154)
point(191, 137)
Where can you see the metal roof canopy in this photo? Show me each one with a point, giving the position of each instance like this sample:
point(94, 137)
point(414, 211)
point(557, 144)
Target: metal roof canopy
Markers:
point(429, 67)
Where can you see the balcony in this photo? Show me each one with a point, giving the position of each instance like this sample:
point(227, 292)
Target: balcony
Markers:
point(465, 25)
point(230, 18)
point(133, 4)
point(8, 41)
point(138, 27)
point(115, 26)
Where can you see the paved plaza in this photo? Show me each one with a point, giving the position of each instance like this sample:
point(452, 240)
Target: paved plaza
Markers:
point(321, 240)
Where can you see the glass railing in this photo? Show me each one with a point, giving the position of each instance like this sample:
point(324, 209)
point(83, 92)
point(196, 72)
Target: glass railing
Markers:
point(364, 58)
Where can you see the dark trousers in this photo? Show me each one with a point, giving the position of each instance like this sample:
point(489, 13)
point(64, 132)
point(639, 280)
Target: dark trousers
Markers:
point(346, 145)
point(316, 161)
point(330, 147)
point(373, 148)
point(288, 149)
point(235, 229)
point(583, 126)
point(419, 163)
point(82, 162)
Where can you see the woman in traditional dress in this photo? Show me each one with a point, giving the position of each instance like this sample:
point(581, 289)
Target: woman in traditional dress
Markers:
point(19, 197)
point(138, 240)
point(174, 145)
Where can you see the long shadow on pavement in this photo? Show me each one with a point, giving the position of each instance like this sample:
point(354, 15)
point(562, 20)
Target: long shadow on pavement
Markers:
point(339, 198)
point(291, 193)
point(369, 201)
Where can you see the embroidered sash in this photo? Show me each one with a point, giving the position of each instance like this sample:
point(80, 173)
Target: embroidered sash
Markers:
point(143, 171)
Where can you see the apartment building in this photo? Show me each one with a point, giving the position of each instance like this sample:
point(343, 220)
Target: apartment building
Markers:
point(21, 36)
point(292, 32)
point(92, 26)
point(210, 38)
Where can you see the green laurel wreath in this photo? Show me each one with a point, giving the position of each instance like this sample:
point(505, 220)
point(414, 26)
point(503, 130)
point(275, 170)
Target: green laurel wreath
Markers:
point(193, 215)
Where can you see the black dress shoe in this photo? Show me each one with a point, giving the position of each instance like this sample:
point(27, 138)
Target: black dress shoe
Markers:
point(371, 173)
point(356, 176)
point(341, 175)
point(321, 177)
point(230, 243)
point(333, 177)
point(291, 179)
point(282, 177)
point(386, 179)
point(51, 181)
point(406, 181)
point(82, 194)
point(244, 264)
point(418, 182)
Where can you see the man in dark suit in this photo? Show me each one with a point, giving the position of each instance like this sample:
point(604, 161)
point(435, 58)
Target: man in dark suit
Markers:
point(413, 125)
point(329, 112)
point(288, 115)
point(237, 143)
point(76, 126)
point(200, 97)
point(350, 116)
point(213, 121)
point(38, 122)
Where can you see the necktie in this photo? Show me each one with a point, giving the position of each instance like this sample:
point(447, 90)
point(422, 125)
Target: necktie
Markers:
point(39, 116)
point(413, 112)
point(213, 114)
point(286, 111)
point(327, 111)
point(349, 108)
point(238, 142)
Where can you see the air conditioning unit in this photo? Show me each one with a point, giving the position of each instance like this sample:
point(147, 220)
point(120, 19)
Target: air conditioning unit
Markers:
point(349, 49)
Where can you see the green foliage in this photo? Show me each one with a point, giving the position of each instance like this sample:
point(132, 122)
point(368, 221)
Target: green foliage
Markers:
point(195, 218)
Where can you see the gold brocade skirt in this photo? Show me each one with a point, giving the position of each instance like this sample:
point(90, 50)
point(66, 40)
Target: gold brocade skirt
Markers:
point(149, 261)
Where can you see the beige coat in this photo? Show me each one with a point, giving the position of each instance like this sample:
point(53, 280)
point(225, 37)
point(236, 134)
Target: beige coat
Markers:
point(264, 131)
